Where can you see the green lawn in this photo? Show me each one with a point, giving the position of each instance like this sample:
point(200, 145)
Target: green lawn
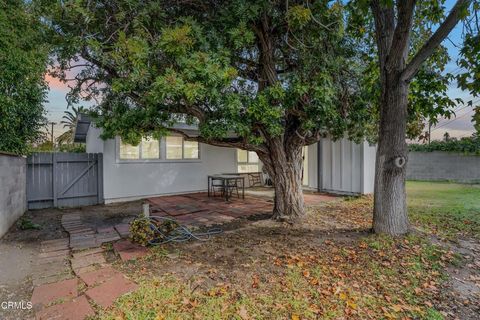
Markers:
point(447, 209)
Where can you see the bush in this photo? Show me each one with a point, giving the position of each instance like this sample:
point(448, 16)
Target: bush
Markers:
point(467, 145)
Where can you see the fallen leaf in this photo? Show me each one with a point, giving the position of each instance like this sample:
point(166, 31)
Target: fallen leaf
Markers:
point(243, 313)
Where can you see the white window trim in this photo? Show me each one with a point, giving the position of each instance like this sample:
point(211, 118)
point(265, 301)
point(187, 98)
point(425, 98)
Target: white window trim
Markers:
point(163, 155)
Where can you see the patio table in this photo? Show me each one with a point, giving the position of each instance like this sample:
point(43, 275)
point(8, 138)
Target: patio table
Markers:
point(225, 179)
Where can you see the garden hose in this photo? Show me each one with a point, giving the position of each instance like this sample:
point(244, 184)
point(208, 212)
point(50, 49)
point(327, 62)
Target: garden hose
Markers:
point(177, 232)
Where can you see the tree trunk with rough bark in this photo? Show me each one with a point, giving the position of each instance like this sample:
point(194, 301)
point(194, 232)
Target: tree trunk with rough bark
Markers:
point(285, 167)
point(392, 29)
point(390, 209)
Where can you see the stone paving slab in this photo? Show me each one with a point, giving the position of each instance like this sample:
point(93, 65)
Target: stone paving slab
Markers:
point(51, 268)
point(52, 278)
point(99, 276)
point(49, 254)
point(51, 248)
point(106, 293)
point(55, 258)
point(87, 252)
point(123, 229)
point(85, 261)
point(48, 293)
point(86, 269)
point(77, 309)
point(61, 241)
point(128, 250)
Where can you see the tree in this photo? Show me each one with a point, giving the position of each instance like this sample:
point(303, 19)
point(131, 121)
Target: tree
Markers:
point(400, 60)
point(23, 61)
point(265, 76)
point(70, 122)
point(476, 120)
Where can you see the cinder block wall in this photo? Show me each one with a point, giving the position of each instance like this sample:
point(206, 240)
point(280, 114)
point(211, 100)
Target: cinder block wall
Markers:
point(13, 190)
point(438, 165)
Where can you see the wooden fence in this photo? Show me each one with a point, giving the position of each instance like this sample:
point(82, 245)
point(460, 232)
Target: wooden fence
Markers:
point(64, 180)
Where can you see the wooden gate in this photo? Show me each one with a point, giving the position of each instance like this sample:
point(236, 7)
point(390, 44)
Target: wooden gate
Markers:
point(64, 180)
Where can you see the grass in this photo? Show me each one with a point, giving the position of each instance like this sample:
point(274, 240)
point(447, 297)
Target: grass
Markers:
point(446, 209)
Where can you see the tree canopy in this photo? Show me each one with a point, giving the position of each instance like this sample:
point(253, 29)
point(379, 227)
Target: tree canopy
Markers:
point(251, 68)
point(23, 61)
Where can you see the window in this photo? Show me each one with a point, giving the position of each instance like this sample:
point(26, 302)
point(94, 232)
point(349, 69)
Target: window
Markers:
point(147, 149)
point(190, 150)
point(247, 161)
point(173, 148)
point(178, 148)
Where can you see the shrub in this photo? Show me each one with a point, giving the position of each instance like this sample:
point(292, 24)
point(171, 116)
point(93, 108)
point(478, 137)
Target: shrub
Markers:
point(467, 145)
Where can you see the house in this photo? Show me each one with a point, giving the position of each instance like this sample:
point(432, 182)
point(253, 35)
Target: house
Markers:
point(173, 165)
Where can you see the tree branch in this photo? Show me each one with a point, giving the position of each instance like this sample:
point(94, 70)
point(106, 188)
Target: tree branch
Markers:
point(232, 142)
point(399, 47)
point(435, 40)
point(384, 18)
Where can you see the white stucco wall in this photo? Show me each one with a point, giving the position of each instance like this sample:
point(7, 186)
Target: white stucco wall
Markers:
point(135, 180)
point(94, 144)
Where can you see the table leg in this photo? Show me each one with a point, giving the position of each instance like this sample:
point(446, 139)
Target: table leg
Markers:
point(225, 188)
point(208, 186)
point(243, 188)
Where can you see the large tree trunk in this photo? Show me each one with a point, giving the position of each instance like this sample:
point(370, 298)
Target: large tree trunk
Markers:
point(285, 167)
point(390, 210)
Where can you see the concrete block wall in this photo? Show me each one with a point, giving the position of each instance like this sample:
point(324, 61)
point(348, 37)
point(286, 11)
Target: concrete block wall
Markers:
point(438, 166)
point(13, 190)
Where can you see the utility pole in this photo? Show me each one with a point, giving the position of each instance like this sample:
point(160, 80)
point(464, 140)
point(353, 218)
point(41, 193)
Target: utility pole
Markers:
point(51, 133)
point(429, 131)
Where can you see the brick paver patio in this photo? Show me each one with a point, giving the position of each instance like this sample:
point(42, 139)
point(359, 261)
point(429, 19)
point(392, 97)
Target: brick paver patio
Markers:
point(197, 209)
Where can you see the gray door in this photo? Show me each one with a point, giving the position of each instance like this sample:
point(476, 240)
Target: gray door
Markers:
point(64, 180)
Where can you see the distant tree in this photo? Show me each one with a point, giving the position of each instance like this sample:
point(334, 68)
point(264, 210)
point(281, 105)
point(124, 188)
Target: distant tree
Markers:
point(69, 121)
point(476, 120)
point(446, 136)
point(23, 61)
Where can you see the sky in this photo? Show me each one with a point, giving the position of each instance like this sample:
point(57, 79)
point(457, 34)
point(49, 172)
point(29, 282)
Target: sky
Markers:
point(460, 126)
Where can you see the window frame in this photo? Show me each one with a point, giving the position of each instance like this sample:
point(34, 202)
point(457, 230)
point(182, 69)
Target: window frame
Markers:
point(163, 154)
point(183, 150)
point(248, 163)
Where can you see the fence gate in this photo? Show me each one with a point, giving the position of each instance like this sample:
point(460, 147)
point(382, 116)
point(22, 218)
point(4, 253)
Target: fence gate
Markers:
point(64, 180)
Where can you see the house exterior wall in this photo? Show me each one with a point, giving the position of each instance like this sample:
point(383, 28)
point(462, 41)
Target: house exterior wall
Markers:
point(346, 167)
point(13, 190)
point(125, 180)
point(369, 159)
point(312, 166)
point(93, 143)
